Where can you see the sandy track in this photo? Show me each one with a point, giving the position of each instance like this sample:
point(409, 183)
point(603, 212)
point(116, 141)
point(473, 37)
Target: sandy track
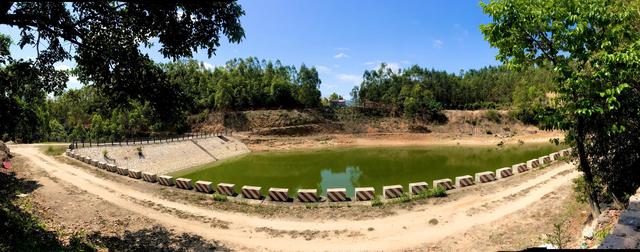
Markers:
point(405, 230)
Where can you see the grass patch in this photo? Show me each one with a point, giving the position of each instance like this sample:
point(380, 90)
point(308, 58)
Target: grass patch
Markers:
point(376, 201)
point(219, 197)
point(403, 199)
point(431, 193)
point(54, 150)
point(599, 235)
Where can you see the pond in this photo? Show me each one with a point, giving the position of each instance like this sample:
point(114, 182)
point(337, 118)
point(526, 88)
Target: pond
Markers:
point(359, 167)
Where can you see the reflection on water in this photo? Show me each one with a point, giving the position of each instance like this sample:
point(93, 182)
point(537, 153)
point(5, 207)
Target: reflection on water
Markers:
point(347, 179)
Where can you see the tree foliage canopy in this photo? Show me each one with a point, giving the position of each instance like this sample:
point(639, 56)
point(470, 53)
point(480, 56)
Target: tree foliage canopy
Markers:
point(417, 91)
point(593, 48)
point(104, 39)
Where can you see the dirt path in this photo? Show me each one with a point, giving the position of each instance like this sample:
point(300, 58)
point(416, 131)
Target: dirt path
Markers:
point(409, 229)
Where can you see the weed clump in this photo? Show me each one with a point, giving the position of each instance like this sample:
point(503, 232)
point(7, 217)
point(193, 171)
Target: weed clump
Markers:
point(219, 197)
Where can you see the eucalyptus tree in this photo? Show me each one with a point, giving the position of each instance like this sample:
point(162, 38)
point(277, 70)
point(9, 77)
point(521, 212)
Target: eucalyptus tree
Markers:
point(592, 46)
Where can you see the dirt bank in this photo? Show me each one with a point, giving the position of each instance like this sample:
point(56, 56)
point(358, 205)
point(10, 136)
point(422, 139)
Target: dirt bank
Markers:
point(524, 209)
point(267, 143)
point(461, 123)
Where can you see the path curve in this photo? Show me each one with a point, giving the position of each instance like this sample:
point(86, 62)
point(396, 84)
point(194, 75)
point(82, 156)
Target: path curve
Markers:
point(405, 230)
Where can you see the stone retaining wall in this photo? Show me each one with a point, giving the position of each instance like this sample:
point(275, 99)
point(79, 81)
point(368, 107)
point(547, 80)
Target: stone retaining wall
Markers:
point(162, 158)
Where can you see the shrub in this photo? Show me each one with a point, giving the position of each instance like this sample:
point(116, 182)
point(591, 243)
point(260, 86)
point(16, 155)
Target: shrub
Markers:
point(376, 201)
point(559, 237)
point(582, 195)
point(55, 150)
point(139, 150)
point(219, 197)
point(438, 192)
point(493, 115)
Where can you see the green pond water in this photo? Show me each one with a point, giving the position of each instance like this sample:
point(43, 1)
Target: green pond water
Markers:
point(359, 167)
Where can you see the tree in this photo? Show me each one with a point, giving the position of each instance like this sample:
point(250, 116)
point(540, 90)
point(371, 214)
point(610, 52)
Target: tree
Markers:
point(309, 82)
point(354, 94)
point(105, 38)
point(593, 49)
point(334, 96)
point(23, 89)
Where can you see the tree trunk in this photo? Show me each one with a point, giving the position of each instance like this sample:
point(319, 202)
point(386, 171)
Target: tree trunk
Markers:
point(585, 167)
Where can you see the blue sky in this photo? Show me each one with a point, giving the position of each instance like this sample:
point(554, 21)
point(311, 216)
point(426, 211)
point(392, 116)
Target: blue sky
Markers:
point(343, 38)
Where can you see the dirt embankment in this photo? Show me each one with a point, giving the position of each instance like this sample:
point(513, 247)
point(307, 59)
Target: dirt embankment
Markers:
point(313, 122)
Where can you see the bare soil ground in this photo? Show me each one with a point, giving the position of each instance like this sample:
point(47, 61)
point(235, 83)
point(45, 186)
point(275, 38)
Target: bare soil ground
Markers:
point(510, 214)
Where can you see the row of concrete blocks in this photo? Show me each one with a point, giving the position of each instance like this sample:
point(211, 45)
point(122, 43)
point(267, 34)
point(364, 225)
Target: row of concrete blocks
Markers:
point(489, 176)
point(333, 194)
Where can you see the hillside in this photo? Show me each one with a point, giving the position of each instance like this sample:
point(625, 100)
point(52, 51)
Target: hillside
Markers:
point(310, 122)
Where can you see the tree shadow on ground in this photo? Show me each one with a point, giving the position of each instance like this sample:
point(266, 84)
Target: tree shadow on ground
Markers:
point(19, 230)
point(22, 231)
point(156, 238)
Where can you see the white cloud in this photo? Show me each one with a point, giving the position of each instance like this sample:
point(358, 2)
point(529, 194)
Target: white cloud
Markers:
point(74, 83)
point(438, 43)
point(208, 66)
point(394, 66)
point(351, 78)
point(342, 49)
point(341, 56)
point(323, 69)
point(330, 85)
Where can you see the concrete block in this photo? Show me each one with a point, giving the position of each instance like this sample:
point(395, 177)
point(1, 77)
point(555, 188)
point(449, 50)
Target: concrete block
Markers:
point(418, 187)
point(365, 193)
point(251, 192)
point(504, 173)
point(135, 174)
point(184, 183)
point(337, 194)
point(447, 184)
point(464, 181)
point(392, 191)
point(227, 189)
point(279, 194)
point(165, 180)
point(308, 195)
point(485, 177)
point(204, 186)
point(149, 177)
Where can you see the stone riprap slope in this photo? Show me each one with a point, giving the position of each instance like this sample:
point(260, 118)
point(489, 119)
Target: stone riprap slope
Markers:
point(221, 149)
point(626, 233)
point(164, 158)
